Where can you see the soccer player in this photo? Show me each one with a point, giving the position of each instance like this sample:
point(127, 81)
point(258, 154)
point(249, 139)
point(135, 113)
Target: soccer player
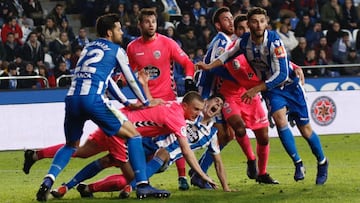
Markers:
point(156, 54)
point(208, 83)
point(149, 122)
point(85, 100)
point(265, 53)
point(165, 150)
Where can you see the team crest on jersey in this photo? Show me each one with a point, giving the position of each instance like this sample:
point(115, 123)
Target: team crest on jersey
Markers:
point(154, 72)
point(236, 64)
point(219, 51)
point(183, 131)
point(280, 52)
point(250, 75)
point(323, 111)
point(157, 54)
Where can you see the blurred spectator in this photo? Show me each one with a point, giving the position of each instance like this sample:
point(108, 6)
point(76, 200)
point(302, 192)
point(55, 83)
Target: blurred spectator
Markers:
point(48, 58)
point(44, 71)
point(32, 51)
point(199, 55)
point(198, 10)
point(325, 47)
point(330, 12)
point(57, 14)
point(201, 24)
point(65, 56)
point(26, 29)
point(124, 17)
point(184, 24)
point(28, 83)
point(314, 34)
point(2, 52)
point(205, 38)
point(61, 70)
point(298, 55)
point(33, 10)
point(11, 47)
point(309, 6)
point(218, 4)
point(171, 33)
point(133, 29)
point(60, 44)
point(13, 27)
point(50, 30)
point(189, 40)
point(81, 40)
point(4, 13)
point(334, 33)
point(288, 8)
point(303, 26)
point(13, 71)
point(4, 72)
point(351, 19)
point(352, 58)
point(341, 48)
point(246, 6)
point(75, 57)
point(272, 9)
point(288, 37)
point(65, 27)
point(323, 60)
point(15, 7)
point(311, 60)
point(171, 7)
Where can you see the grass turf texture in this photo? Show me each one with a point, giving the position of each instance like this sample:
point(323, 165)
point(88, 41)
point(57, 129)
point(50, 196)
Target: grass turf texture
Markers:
point(342, 185)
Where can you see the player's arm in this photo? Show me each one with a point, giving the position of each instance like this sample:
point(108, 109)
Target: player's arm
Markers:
point(220, 171)
point(132, 82)
point(116, 93)
point(299, 72)
point(190, 158)
point(144, 79)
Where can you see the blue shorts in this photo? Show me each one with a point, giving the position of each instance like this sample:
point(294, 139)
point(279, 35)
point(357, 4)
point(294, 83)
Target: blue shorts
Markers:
point(79, 109)
point(292, 97)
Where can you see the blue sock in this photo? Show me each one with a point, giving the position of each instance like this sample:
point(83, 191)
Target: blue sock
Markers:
point(137, 159)
point(315, 145)
point(288, 141)
point(86, 173)
point(61, 159)
point(151, 167)
point(206, 160)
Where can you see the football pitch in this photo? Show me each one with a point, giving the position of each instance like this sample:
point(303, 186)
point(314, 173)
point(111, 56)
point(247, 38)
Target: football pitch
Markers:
point(343, 183)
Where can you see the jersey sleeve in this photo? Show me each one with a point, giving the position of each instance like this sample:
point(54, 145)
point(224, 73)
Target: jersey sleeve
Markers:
point(176, 123)
point(130, 77)
point(279, 64)
point(116, 92)
point(232, 52)
point(178, 55)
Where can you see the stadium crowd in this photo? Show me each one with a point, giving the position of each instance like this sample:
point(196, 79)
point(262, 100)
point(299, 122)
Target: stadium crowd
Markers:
point(35, 42)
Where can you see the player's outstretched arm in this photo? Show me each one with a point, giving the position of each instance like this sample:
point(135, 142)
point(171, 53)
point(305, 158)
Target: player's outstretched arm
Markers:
point(189, 155)
point(220, 171)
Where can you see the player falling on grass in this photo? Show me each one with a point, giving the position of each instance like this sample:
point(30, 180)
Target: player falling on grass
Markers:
point(85, 100)
point(150, 122)
point(156, 54)
point(283, 93)
point(164, 151)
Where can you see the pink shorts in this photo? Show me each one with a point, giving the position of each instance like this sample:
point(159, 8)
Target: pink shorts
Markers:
point(116, 146)
point(253, 114)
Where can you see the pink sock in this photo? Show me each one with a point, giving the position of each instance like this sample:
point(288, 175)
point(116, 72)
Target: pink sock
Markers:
point(263, 154)
point(245, 145)
point(181, 167)
point(109, 184)
point(48, 152)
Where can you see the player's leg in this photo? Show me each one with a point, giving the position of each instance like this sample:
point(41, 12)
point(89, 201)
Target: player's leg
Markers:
point(288, 142)
point(181, 168)
point(31, 156)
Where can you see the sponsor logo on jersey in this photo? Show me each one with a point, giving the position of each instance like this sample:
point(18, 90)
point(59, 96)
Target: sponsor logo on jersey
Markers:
point(157, 54)
point(154, 72)
point(280, 52)
point(140, 54)
point(183, 131)
point(323, 111)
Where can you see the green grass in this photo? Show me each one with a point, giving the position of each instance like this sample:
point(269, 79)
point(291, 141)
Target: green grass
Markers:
point(342, 186)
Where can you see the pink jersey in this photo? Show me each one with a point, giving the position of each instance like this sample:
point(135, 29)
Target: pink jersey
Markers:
point(156, 56)
point(159, 120)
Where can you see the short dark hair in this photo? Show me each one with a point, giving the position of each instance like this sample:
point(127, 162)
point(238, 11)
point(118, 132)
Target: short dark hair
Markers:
point(217, 95)
point(239, 19)
point(106, 22)
point(256, 11)
point(146, 12)
point(218, 12)
point(191, 96)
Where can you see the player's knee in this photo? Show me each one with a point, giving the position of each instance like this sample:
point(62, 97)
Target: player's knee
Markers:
point(240, 132)
point(107, 161)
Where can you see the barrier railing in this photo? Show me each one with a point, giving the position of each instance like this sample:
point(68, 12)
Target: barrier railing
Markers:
point(333, 66)
point(27, 77)
point(62, 77)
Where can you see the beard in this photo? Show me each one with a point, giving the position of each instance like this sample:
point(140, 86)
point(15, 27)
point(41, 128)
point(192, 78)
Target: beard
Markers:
point(149, 34)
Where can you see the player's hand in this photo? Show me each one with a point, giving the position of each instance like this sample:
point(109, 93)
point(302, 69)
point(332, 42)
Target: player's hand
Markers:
point(300, 74)
point(248, 96)
point(211, 182)
point(135, 106)
point(143, 77)
point(190, 85)
point(155, 102)
point(202, 66)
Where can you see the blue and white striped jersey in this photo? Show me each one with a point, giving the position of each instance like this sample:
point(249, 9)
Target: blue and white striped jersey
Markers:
point(93, 72)
point(206, 79)
point(269, 59)
point(198, 135)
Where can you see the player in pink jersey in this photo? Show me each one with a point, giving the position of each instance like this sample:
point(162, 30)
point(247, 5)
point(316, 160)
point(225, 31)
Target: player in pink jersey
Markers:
point(156, 54)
